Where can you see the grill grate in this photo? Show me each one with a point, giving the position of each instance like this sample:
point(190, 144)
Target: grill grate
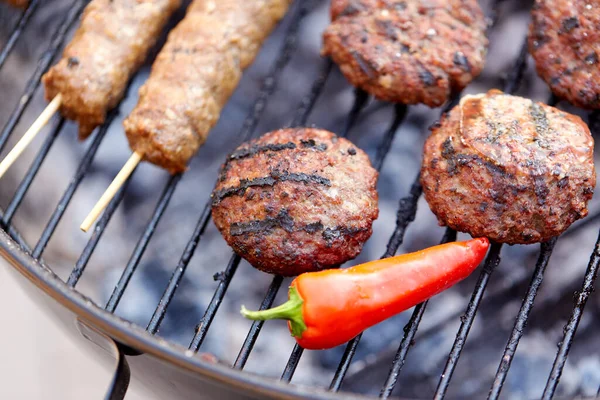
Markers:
point(19, 28)
point(405, 215)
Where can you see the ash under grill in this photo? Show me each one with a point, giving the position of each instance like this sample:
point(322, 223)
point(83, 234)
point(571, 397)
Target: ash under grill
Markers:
point(155, 245)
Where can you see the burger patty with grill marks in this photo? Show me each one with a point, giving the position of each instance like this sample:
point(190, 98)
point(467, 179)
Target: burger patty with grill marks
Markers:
point(296, 200)
point(508, 168)
point(564, 40)
point(408, 51)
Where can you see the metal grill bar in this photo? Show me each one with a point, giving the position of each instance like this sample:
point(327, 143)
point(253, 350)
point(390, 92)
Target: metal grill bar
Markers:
point(292, 363)
point(410, 330)
point(406, 213)
point(19, 28)
point(360, 101)
point(268, 87)
point(82, 169)
point(140, 247)
point(14, 204)
point(43, 64)
point(400, 111)
point(515, 77)
point(19, 239)
point(226, 277)
point(511, 85)
point(467, 320)
point(526, 306)
point(571, 327)
point(589, 220)
point(309, 101)
point(267, 302)
point(99, 228)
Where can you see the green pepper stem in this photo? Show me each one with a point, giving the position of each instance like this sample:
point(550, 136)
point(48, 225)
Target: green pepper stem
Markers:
point(290, 310)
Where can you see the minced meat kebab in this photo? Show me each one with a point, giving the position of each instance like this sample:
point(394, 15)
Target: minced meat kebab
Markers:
point(408, 51)
point(296, 200)
point(195, 74)
point(508, 168)
point(109, 46)
point(564, 40)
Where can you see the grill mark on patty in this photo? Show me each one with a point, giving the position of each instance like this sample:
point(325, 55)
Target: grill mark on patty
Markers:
point(350, 10)
point(387, 28)
point(255, 150)
point(426, 77)
point(311, 144)
point(314, 227)
point(252, 151)
point(331, 234)
point(366, 67)
point(284, 221)
point(461, 61)
point(271, 180)
point(568, 24)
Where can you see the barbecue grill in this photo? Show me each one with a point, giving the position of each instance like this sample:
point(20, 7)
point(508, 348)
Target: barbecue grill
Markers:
point(174, 371)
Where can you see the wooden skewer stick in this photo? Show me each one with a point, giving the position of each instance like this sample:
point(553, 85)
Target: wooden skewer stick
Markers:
point(31, 133)
point(110, 192)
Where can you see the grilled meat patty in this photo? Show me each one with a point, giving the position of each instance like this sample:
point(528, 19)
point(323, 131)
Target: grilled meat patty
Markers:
point(111, 43)
point(564, 40)
point(195, 73)
point(408, 51)
point(296, 200)
point(508, 168)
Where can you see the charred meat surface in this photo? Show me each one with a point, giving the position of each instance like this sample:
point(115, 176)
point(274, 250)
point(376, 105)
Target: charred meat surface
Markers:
point(296, 200)
point(408, 51)
point(508, 168)
point(194, 74)
point(111, 43)
point(564, 40)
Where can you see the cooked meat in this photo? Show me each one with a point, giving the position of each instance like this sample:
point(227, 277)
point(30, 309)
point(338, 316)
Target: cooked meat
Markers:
point(296, 200)
point(408, 51)
point(194, 75)
point(18, 3)
point(508, 168)
point(108, 47)
point(564, 40)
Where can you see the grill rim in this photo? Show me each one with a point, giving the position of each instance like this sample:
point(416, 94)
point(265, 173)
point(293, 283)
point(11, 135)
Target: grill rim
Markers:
point(138, 338)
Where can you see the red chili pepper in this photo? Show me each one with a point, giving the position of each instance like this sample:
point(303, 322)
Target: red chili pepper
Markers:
point(328, 308)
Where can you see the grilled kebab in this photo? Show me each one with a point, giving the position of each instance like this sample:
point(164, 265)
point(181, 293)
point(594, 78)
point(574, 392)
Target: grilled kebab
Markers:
point(111, 43)
point(408, 51)
point(508, 168)
point(565, 42)
point(195, 74)
point(296, 200)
